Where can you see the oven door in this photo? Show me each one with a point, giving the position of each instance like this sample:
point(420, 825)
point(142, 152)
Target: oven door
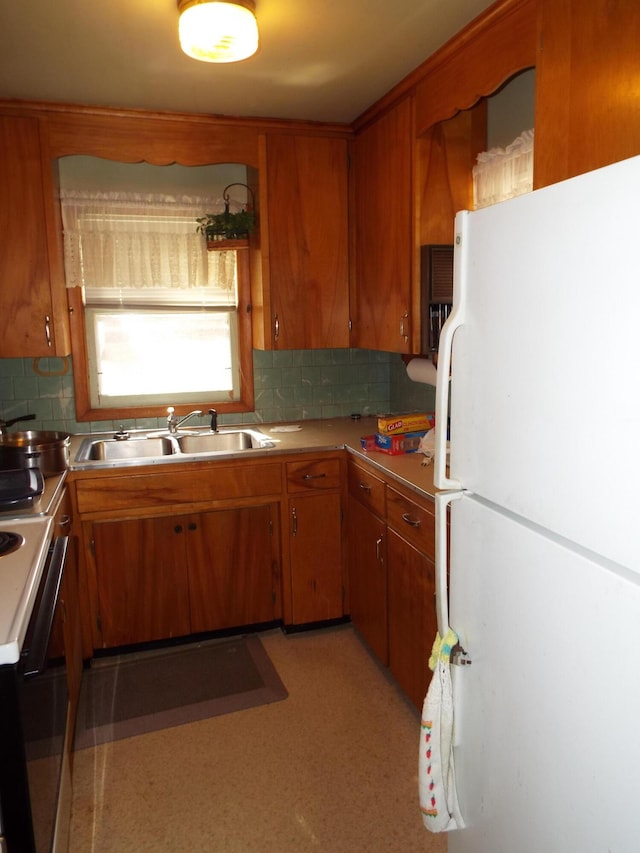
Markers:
point(35, 781)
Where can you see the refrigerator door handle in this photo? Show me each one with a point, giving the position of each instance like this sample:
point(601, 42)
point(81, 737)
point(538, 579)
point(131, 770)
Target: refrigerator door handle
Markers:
point(445, 345)
point(442, 501)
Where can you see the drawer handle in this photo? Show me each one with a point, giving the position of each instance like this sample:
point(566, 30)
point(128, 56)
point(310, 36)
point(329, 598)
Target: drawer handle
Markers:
point(412, 521)
point(365, 487)
point(313, 476)
point(65, 522)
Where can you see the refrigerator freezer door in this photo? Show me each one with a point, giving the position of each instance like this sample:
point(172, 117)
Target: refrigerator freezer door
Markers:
point(545, 408)
point(547, 749)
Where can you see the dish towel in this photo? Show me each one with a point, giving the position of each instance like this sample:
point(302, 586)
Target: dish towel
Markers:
point(436, 776)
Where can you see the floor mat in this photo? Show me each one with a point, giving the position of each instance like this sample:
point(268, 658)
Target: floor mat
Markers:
point(142, 692)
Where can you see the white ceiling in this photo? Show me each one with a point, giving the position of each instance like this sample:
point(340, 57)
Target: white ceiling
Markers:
point(324, 60)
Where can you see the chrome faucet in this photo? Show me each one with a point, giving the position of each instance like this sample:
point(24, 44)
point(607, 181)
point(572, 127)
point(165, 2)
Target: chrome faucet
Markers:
point(173, 422)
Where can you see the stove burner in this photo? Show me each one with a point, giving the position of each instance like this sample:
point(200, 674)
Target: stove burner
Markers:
point(9, 542)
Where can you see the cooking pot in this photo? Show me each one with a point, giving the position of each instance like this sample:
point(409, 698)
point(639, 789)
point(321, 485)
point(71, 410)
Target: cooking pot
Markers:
point(48, 451)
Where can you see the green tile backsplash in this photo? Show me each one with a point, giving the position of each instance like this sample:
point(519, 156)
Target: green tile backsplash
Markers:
point(290, 385)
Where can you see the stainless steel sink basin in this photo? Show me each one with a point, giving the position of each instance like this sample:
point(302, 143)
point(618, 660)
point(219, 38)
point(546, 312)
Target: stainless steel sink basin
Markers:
point(141, 449)
point(229, 441)
point(109, 449)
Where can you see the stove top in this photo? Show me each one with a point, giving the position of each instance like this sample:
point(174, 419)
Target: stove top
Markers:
point(20, 572)
point(39, 506)
point(10, 542)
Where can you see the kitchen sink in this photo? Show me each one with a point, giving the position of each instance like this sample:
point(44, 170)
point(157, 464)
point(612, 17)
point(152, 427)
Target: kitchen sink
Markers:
point(137, 449)
point(111, 449)
point(228, 441)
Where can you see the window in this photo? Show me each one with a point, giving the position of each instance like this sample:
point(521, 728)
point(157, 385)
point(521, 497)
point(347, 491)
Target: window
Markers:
point(158, 320)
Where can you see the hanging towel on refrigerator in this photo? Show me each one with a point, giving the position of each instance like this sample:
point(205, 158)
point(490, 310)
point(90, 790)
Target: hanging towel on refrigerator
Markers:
point(438, 797)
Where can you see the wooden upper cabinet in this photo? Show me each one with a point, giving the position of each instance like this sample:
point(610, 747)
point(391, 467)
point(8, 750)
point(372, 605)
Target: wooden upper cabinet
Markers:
point(587, 93)
point(383, 232)
point(445, 156)
point(33, 320)
point(303, 298)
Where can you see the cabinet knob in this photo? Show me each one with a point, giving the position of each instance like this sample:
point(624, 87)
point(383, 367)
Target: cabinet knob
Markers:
point(178, 528)
point(193, 525)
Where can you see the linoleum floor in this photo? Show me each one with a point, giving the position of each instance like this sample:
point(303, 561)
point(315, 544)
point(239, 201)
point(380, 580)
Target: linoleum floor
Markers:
point(330, 769)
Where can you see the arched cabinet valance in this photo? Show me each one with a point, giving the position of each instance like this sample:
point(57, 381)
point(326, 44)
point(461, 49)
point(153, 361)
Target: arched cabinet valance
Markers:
point(476, 63)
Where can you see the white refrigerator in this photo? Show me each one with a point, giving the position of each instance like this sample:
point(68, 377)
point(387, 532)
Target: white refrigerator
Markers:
point(542, 487)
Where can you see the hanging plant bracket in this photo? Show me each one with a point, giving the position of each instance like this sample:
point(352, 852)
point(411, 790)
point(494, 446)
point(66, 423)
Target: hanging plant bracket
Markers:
point(221, 227)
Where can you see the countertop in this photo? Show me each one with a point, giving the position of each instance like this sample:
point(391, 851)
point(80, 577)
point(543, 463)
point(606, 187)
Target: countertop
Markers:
point(316, 436)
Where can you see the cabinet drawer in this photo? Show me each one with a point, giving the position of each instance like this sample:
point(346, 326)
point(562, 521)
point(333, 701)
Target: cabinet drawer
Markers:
point(167, 489)
point(313, 474)
point(366, 488)
point(415, 522)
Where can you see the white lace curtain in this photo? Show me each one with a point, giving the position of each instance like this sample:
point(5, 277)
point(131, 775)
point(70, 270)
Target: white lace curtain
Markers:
point(135, 241)
point(503, 173)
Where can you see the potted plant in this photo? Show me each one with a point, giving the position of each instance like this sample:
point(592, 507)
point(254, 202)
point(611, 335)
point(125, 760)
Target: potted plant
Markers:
point(227, 225)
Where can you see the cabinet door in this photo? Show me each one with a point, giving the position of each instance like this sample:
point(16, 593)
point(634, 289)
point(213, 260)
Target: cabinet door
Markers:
point(445, 157)
point(586, 87)
point(141, 575)
point(27, 318)
point(381, 307)
point(305, 243)
point(233, 567)
point(412, 616)
point(315, 545)
point(368, 577)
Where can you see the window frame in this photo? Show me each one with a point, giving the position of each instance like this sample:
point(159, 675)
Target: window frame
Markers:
point(246, 401)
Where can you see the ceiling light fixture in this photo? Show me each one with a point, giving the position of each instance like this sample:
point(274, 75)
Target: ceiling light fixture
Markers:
point(213, 31)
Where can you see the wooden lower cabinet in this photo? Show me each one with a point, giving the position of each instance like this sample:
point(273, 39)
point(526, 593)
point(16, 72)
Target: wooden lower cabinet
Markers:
point(411, 615)
point(171, 576)
point(367, 557)
point(315, 550)
point(142, 581)
point(368, 577)
point(234, 568)
point(391, 548)
point(313, 534)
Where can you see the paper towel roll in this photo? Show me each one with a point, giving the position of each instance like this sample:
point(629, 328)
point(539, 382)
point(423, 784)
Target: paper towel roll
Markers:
point(422, 370)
